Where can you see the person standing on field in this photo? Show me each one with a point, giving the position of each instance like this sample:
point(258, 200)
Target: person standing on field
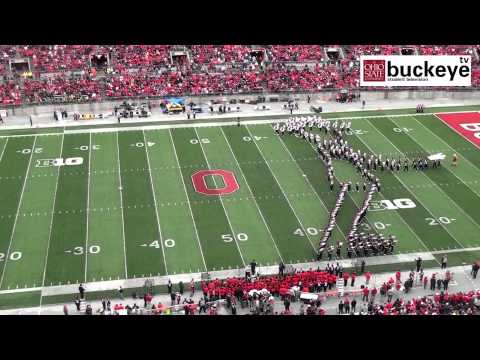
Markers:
point(454, 160)
point(81, 290)
point(192, 288)
point(253, 265)
point(444, 262)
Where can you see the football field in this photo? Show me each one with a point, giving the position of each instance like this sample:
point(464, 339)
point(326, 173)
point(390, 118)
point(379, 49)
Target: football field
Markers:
point(96, 206)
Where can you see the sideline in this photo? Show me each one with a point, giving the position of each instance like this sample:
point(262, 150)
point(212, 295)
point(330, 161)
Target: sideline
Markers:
point(133, 127)
point(66, 289)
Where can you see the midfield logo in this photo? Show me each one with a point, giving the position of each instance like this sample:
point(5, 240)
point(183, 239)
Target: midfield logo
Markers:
point(406, 70)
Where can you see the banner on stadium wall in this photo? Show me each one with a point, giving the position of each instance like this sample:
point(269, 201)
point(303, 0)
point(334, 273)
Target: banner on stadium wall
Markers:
point(413, 70)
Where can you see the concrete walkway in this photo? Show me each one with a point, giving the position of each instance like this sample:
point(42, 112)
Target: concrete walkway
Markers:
point(246, 110)
point(462, 281)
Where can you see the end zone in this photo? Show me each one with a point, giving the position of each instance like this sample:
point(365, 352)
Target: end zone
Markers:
point(466, 124)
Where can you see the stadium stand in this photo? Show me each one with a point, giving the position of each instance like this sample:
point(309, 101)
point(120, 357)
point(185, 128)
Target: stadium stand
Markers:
point(160, 70)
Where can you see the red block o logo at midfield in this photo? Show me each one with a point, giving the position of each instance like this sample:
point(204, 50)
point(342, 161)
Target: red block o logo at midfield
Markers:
point(200, 186)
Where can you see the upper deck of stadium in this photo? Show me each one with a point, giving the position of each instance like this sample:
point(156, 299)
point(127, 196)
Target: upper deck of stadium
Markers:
point(43, 74)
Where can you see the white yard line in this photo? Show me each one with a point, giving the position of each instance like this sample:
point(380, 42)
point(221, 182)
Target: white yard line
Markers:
point(281, 189)
point(51, 224)
point(310, 184)
point(121, 207)
point(188, 200)
point(265, 270)
point(18, 211)
point(406, 187)
point(155, 201)
point(88, 204)
point(400, 216)
point(451, 127)
point(221, 201)
point(224, 123)
point(454, 151)
point(446, 194)
point(251, 192)
point(3, 150)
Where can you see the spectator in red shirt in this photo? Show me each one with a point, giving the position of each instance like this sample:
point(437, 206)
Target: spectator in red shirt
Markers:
point(353, 279)
point(365, 293)
point(368, 275)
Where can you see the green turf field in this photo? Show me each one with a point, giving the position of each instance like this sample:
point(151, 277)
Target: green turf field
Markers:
point(123, 204)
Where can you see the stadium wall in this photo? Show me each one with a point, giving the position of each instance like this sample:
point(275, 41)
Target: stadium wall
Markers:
point(324, 96)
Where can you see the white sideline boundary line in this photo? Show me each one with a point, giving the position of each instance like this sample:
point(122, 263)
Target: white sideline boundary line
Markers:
point(221, 201)
point(223, 274)
point(265, 270)
point(188, 199)
point(226, 123)
point(32, 152)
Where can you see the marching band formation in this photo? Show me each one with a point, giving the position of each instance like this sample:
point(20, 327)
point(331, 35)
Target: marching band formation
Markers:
point(327, 233)
point(334, 146)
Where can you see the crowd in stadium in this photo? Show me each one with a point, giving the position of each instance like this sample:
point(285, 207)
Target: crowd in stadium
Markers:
point(259, 294)
point(159, 70)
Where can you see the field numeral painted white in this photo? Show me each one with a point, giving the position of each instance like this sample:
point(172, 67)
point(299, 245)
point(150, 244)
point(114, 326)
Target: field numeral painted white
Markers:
point(310, 230)
point(229, 237)
point(377, 224)
point(156, 244)
point(38, 150)
point(401, 130)
point(59, 162)
point(392, 205)
point(86, 147)
point(79, 250)
point(15, 255)
point(204, 141)
point(142, 144)
point(440, 220)
point(356, 132)
point(248, 138)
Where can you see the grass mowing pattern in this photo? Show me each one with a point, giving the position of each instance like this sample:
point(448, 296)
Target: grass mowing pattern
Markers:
point(207, 211)
point(33, 225)
point(392, 188)
point(243, 214)
point(462, 194)
point(68, 231)
point(138, 208)
point(270, 197)
point(12, 174)
point(176, 221)
point(259, 208)
point(105, 237)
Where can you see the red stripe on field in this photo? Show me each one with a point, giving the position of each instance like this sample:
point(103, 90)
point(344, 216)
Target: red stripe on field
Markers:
point(466, 124)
